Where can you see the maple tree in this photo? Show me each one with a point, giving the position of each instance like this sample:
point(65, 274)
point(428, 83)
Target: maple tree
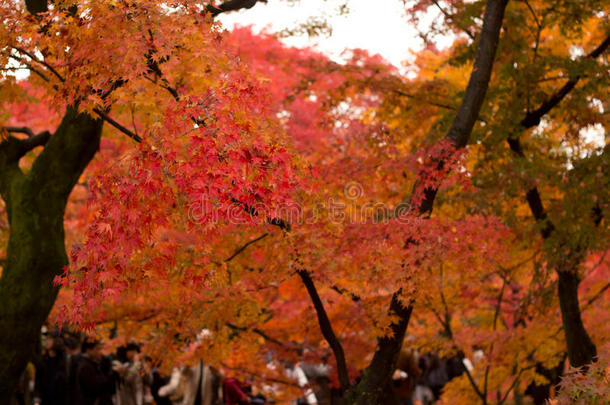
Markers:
point(54, 41)
point(572, 227)
point(265, 180)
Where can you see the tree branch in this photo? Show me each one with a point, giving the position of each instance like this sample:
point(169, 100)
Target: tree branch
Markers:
point(20, 130)
point(231, 5)
point(597, 296)
point(432, 103)
point(533, 118)
point(343, 291)
point(118, 126)
point(30, 67)
point(327, 329)
point(447, 323)
point(13, 149)
point(491, 347)
point(475, 386)
point(261, 334)
point(244, 247)
point(451, 18)
point(280, 223)
point(384, 359)
point(440, 319)
point(66, 154)
point(269, 379)
point(41, 62)
point(529, 6)
point(514, 383)
point(35, 141)
point(481, 73)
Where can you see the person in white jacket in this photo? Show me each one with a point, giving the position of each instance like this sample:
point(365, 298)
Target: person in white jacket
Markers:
point(186, 382)
point(298, 374)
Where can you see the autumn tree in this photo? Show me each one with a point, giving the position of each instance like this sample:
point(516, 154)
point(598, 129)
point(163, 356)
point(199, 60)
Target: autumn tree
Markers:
point(134, 45)
point(284, 201)
point(547, 96)
point(232, 296)
point(547, 91)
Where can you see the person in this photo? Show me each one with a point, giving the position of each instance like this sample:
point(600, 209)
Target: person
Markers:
point(25, 388)
point(406, 375)
point(73, 356)
point(234, 392)
point(94, 377)
point(196, 385)
point(51, 380)
point(131, 380)
point(423, 393)
point(295, 372)
point(159, 380)
point(317, 375)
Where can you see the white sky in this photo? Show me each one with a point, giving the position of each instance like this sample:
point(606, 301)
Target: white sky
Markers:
point(379, 26)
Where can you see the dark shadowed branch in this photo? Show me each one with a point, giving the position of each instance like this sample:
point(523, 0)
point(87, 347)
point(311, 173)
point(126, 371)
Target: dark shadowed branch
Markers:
point(327, 329)
point(533, 118)
point(19, 130)
point(118, 126)
point(244, 247)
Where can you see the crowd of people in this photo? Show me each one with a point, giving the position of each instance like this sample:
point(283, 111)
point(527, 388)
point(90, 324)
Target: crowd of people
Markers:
point(72, 371)
point(420, 378)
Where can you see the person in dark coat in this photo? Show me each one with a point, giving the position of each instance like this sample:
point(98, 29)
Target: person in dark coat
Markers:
point(95, 379)
point(73, 357)
point(51, 383)
point(158, 381)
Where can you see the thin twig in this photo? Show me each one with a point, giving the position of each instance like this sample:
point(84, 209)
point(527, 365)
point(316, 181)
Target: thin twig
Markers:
point(42, 62)
point(241, 249)
point(529, 6)
point(597, 296)
point(475, 386)
point(327, 329)
point(262, 334)
point(451, 18)
point(515, 381)
point(30, 67)
point(118, 126)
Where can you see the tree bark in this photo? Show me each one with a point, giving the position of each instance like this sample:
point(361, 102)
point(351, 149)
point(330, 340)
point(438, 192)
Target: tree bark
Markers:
point(36, 6)
point(581, 349)
point(377, 377)
point(36, 252)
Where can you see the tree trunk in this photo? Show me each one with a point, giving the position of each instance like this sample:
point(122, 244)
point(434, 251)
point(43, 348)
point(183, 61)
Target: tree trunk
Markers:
point(372, 388)
point(581, 350)
point(540, 393)
point(36, 252)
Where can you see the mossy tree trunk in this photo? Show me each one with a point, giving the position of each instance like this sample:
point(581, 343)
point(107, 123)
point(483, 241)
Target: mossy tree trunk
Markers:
point(36, 252)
